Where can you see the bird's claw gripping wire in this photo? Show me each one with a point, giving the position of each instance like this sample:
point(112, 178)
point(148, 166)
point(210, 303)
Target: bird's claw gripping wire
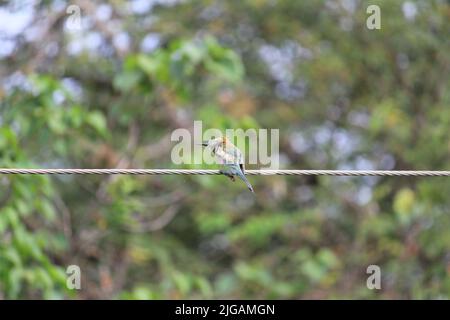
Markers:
point(228, 174)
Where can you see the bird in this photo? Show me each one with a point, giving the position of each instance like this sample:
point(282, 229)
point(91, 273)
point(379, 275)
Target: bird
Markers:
point(230, 156)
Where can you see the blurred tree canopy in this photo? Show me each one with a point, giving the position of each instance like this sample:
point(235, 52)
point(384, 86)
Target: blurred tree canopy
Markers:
point(106, 91)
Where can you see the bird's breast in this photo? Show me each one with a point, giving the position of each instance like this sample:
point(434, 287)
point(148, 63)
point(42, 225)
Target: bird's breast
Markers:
point(225, 156)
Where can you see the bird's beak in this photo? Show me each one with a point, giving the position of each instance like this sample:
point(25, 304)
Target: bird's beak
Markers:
point(204, 143)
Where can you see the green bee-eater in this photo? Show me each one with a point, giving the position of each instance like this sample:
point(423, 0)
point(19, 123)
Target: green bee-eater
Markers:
point(230, 156)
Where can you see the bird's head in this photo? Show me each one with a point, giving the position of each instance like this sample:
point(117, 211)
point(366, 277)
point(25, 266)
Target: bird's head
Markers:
point(214, 142)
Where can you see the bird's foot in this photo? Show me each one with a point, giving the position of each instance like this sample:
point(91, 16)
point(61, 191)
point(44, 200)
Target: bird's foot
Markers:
point(227, 174)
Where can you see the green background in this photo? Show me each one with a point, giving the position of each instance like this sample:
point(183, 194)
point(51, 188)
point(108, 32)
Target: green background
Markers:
point(109, 95)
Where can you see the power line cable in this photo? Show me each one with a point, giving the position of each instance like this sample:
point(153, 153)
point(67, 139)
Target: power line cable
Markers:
point(390, 173)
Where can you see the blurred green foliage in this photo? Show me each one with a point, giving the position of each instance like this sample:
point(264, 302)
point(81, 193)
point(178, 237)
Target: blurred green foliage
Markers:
point(341, 95)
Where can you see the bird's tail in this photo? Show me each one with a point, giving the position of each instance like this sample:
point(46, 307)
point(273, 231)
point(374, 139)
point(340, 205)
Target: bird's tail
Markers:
point(242, 176)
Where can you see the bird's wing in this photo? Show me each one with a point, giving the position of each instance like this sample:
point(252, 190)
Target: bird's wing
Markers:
point(239, 156)
point(236, 153)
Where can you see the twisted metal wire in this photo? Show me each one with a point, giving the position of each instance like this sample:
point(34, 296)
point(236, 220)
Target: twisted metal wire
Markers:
point(390, 173)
